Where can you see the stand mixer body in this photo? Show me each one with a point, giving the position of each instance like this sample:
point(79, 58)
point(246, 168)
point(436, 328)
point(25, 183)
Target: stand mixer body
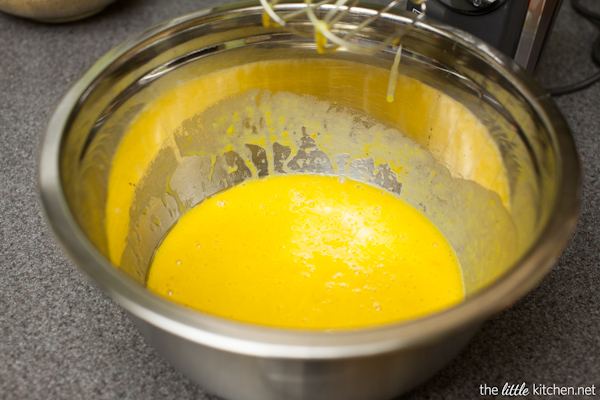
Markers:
point(519, 28)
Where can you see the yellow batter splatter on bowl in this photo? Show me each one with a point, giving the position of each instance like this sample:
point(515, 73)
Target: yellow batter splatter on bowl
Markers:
point(305, 251)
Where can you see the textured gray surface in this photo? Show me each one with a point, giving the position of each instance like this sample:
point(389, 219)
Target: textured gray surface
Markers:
point(61, 337)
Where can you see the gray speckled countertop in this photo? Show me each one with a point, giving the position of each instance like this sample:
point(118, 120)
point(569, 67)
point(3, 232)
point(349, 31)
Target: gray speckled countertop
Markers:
point(61, 337)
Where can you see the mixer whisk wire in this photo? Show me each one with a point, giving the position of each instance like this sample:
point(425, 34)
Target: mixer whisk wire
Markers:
point(328, 39)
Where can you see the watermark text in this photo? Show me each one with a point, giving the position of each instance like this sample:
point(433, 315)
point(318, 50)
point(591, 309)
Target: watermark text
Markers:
point(536, 389)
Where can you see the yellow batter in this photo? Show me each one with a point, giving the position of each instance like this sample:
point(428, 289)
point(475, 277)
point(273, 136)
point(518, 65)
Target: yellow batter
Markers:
point(306, 251)
point(435, 121)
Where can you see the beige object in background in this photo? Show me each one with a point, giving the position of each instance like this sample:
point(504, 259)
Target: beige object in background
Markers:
point(53, 10)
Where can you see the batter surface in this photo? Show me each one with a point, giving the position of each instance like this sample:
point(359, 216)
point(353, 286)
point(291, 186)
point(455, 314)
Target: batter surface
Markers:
point(305, 251)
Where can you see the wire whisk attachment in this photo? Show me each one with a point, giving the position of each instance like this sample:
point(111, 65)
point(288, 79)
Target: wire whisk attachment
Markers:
point(329, 39)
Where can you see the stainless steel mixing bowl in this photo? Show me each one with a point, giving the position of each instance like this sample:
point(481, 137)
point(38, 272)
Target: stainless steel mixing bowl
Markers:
point(482, 134)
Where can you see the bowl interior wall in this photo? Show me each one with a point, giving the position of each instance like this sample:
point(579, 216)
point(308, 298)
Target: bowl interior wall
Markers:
point(459, 142)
